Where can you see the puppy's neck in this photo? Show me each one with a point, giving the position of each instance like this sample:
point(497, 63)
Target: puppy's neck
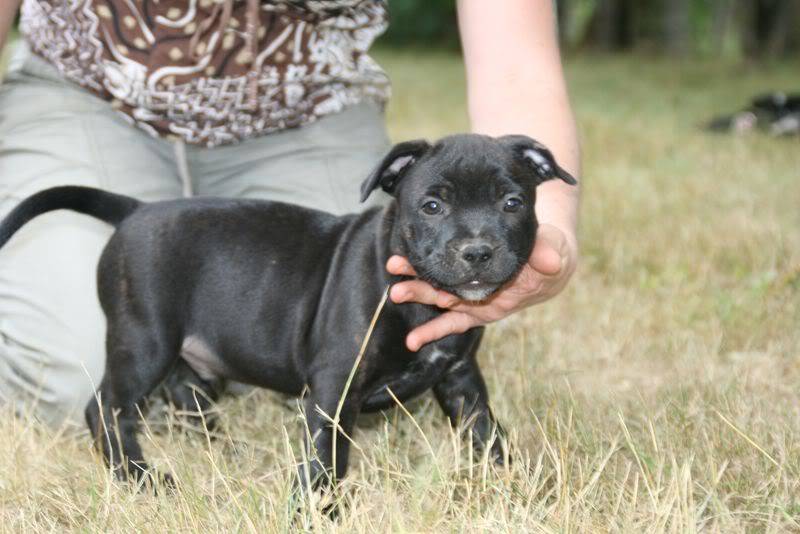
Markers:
point(391, 232)
point(389, 240)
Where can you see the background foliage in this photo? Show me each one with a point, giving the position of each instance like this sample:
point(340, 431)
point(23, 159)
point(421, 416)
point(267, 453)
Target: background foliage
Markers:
point(422, 22)
point(738, 28)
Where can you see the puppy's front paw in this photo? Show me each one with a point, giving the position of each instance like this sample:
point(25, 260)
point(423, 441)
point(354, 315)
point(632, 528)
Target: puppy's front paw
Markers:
point(151, 480)
point(499, 452)
point(497, 445)
point(326, 499)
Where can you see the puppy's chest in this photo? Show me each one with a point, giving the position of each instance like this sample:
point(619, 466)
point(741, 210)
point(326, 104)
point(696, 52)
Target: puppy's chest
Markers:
point(386, 352)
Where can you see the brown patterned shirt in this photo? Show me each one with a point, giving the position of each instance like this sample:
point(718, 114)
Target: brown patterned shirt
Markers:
point(214, 71)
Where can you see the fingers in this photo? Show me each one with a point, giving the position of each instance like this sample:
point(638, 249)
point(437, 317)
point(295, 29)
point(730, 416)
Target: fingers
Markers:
point(422, 293)
point(444, 325)
point(400, 266)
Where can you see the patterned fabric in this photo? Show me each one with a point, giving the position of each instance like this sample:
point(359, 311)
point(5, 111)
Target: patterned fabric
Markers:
point(214, 71)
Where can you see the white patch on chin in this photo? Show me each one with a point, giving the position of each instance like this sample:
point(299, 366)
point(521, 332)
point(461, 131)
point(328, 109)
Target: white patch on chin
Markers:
point(474, 294)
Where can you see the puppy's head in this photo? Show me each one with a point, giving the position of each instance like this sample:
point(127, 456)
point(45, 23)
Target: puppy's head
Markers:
point(465, 215)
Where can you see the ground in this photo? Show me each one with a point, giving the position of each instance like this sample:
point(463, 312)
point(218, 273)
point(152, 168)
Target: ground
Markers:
point(659, 392)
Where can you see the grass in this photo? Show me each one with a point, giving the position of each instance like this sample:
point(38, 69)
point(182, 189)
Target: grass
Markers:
point(660, 392)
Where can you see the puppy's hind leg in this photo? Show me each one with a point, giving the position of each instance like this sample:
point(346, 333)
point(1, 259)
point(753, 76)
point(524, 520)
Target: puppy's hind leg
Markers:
point(137, 361)
point(191, 395)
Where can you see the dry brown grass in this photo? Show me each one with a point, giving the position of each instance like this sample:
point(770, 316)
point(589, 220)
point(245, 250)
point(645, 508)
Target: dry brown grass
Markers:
point(658, 393)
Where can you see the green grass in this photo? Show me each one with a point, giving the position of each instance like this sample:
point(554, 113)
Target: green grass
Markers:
point(660, 392)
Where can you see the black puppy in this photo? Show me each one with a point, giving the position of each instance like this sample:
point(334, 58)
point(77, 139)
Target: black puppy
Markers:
point(775, 113)
point(281, 297)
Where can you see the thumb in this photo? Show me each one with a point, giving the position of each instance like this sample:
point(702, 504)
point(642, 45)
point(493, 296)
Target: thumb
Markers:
point(546, 258)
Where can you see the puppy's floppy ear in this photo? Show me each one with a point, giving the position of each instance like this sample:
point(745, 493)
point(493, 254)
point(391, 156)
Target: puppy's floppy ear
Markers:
point(538, 157)
point(393, 166)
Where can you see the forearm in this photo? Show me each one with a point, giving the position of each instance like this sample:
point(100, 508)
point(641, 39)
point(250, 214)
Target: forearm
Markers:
point(551, 124)
point(516, 85)
point(8, 10)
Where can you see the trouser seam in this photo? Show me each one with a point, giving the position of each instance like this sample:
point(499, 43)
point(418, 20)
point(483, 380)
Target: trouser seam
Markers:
point(102, 171)
point(182, 167)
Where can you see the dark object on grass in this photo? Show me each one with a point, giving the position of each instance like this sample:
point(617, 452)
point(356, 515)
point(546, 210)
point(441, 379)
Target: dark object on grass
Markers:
point(777, 114)
point(281, 297)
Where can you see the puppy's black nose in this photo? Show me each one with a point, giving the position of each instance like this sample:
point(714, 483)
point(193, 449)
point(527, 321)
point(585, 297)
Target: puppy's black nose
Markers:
point(476, 253)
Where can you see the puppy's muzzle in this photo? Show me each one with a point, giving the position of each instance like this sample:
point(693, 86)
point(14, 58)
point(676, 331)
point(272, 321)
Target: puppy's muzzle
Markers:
point(475, 255)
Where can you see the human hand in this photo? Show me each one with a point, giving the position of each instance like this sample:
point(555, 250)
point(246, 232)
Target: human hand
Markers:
point(547, 271)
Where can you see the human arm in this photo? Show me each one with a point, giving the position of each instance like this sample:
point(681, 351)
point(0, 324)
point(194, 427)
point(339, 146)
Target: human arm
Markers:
point(8, 10)
point(515, 85)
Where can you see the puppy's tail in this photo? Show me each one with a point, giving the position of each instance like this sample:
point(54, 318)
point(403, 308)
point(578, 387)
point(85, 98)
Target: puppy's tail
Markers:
point(108, 207)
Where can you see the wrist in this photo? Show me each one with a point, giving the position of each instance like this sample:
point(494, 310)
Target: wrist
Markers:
point(557, 209)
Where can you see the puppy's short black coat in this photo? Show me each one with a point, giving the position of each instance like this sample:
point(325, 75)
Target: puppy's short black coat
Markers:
point(280, 296)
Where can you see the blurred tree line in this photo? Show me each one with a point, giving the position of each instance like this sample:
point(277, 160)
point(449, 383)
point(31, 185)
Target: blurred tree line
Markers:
point(750, 28)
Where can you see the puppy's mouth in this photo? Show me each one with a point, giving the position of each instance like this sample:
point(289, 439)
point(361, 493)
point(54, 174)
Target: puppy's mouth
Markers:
point(472, 287)
point(473, 291)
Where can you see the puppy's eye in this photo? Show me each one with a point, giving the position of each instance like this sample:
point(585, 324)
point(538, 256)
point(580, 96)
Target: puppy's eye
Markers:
point(512, 204)
point(432, 207)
